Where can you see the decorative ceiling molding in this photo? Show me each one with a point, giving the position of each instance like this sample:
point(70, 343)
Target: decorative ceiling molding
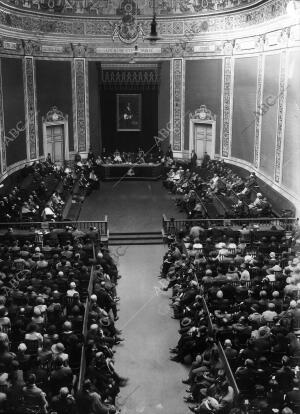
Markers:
point(283, 38)
point(141, 7)
point(168, 26)
point(128, 29)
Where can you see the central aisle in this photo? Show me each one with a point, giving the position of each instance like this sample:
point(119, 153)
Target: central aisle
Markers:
point(154, 381)
point(131, 206)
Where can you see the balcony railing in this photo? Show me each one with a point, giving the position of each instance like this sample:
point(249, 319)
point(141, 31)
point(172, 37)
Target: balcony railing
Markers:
point(173, 226)
point(43, 226)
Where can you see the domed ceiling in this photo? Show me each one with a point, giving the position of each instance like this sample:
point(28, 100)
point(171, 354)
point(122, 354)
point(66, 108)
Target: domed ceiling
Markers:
point(137, 7)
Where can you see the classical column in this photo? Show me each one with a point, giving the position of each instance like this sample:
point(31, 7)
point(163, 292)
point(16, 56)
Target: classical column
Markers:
point(177, 105)
point(30, 108)
point(259, 106)
point(227, 102)
point(283, 85)
point(2, 129)
point(80, 105)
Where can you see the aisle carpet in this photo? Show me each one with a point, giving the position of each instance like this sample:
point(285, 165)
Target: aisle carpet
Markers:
point(145, 318)
point(131, 206)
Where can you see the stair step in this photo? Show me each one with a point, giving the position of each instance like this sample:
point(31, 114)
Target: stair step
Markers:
point(134, 237)
point(136, 233)
point(134, 242)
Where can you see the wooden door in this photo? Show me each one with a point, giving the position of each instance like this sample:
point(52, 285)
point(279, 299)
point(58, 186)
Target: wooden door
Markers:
point(55, 142)
point(203, 140)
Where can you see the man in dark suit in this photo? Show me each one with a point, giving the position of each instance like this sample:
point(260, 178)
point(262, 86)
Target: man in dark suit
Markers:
point(62, 376)
point(285, 375)
point(293, 396)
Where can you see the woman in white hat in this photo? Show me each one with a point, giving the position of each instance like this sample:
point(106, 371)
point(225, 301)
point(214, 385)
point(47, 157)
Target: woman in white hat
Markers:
point(58, 352)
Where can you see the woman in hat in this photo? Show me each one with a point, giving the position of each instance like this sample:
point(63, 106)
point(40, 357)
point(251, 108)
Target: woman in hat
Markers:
point(58, 352)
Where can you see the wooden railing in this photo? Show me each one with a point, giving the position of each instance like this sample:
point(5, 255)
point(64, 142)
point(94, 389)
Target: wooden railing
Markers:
point(101, 226)
point(222, 355)
point(85, 327)
point(173, 226)
point(228, 370)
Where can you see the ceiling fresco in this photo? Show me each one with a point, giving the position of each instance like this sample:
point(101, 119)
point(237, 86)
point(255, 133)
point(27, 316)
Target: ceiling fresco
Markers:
point(139, 7)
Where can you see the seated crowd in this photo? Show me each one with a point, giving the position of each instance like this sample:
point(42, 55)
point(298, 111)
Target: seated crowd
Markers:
point(43, 291)
point(241, 197)
point(27, 201)
point(245, 298)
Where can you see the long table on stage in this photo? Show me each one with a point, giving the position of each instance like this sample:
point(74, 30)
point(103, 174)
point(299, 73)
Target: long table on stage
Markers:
point(130, 171)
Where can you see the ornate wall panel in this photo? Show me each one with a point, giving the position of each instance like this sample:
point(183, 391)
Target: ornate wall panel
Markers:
point(244, 107)
point(203, 84)
point(79, 75)
point(258, 118)
point(2, 129)
point(178, 74)
point(227, 106)
point(291, 151)
point(269, 113)
point(30, 108)
point(281, 117)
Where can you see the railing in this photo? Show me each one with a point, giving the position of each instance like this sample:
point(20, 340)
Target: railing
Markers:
point(173, 226)
point(228, 370)
point(209, 321)
point(226, 364)
point(85, 327)
point(219, 206)
point(32, 226)
point(211, 332)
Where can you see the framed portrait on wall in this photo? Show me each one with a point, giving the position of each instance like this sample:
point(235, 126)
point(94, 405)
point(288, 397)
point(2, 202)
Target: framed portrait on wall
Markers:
point(129, 112)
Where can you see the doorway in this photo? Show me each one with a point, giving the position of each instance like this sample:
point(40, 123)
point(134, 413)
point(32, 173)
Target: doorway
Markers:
point(55, 142)
point(203, 139)
point(202, 133)
point(56, 135)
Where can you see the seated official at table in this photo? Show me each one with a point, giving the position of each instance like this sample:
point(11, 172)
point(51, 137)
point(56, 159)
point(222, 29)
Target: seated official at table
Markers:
point(117, 157)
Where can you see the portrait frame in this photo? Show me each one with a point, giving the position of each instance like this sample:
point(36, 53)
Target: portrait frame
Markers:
point(129, 112)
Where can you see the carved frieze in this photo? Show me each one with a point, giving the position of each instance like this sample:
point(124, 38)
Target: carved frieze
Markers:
point(79, 50)
point(31, 47)
point(54, 115)
point(203, 113)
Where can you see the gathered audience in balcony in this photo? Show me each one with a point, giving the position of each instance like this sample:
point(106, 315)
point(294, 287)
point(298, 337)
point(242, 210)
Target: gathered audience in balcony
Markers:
point(36, 197)
point(195, 188)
